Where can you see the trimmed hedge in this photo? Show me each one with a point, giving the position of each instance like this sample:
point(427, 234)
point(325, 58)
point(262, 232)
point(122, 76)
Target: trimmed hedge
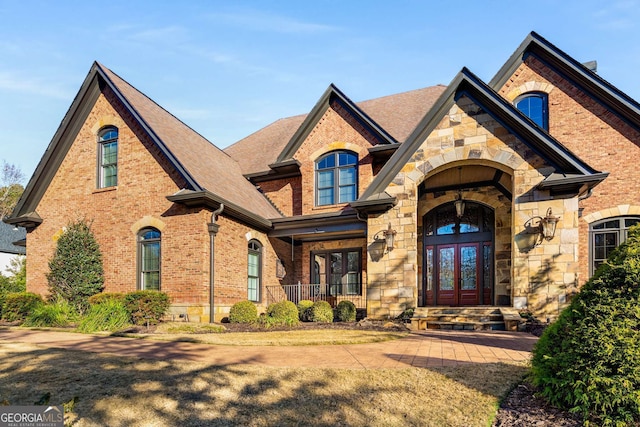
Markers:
point(588, 361)
point(346, 311)
point(17, 306)
point(243, 312)
point(283, 313)
point(146, 306)
point(303, 307)
point(320, 311)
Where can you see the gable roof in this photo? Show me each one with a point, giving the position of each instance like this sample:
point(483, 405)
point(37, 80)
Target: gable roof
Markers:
point(391, 118)
point(571, 173)
point(205, 168)
point(580, 75)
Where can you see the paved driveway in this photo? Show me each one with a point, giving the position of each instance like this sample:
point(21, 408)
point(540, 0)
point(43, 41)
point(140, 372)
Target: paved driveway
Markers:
point(429, 348)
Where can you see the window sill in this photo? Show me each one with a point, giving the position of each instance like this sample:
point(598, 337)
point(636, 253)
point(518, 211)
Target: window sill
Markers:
point(104, 190)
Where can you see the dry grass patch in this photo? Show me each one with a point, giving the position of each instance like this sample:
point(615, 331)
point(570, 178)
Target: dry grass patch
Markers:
point(120, 391)
point(210, 334)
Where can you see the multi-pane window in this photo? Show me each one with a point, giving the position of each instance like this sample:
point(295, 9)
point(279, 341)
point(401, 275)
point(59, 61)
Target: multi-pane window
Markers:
point(149, 259)
point(605, 236)
point(535, 106)
point(254, 270)
point(336, 178)
point(108, 157)
point(340, 270)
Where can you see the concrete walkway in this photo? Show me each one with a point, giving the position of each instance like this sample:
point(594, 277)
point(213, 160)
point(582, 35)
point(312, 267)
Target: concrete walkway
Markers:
point(431, 348)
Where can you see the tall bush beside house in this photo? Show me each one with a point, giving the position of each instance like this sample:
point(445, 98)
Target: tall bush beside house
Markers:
point(75, 270)
point(588, 361)
point(146, 307)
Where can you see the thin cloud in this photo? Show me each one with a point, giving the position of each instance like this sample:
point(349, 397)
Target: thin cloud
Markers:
point(268, 22)
point(620, 15)
point(13, 83)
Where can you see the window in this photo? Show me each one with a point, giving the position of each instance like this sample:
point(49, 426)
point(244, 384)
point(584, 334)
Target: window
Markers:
point(535, 106)
point(336, 178)
point(605, 236)
point(254, 270)
point(149, 259)
point(338, 269)
point(108, 157)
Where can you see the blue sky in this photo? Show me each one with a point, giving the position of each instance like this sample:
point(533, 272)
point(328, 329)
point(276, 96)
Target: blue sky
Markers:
point(229, 68)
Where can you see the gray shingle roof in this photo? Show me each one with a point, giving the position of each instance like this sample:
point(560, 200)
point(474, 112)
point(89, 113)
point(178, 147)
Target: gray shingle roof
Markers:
point(8, 235)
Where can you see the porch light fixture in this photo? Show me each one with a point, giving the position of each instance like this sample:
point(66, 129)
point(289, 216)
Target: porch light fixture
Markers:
point(389, 237)
point(548, 225)
point(459, 203)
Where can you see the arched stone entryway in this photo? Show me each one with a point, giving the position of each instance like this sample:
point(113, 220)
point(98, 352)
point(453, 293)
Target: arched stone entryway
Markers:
point(466, 260)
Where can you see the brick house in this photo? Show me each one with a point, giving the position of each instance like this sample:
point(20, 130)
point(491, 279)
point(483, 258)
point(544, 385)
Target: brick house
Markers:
point(442, 196)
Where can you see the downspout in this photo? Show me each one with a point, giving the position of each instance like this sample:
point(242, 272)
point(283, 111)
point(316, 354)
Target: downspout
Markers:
point(213, 230)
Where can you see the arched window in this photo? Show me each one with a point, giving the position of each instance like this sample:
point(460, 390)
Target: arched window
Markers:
point(149, 259)
point(254, 270)
point(108, 157)
point(336, 178)
point(605, 236)
point(535, 106)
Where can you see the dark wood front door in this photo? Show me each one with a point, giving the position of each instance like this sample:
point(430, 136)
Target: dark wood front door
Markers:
point(457, 268)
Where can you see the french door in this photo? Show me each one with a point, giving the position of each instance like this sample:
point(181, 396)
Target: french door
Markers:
point(458, 257)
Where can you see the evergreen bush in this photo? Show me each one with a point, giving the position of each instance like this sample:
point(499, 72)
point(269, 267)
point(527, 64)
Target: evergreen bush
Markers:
point(320, 311)
point(109, 315)
point(283, 313)
point(75, 270)
point(146, 307)
point(303, 307)
point(243, 312)
point(17, 306)
point(346, 311)
point(56, 314)
point(588, 361)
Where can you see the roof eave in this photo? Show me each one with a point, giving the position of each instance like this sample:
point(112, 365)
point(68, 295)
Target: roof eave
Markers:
point(210, 200)
point(571, 185)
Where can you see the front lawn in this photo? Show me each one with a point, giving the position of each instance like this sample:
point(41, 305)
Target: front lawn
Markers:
point(114, 390)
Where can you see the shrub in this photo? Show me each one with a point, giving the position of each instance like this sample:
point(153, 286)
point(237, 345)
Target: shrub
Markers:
point(17, 306)
point(282, 313)
point(75, 270)
point(588, 360)
point(103, 297)
point(108, 315)
point(243, 312)
point(320, 311)
point(346, 311)
point(303, 306)
point(55, 314)
point(146, 307)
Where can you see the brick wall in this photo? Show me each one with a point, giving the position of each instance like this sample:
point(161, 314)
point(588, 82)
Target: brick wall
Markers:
point(595, 135)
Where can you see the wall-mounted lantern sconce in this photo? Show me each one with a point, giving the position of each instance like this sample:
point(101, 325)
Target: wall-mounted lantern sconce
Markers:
point(389, 237)
point(548, 225)
point(459, 204)
point(538, 229)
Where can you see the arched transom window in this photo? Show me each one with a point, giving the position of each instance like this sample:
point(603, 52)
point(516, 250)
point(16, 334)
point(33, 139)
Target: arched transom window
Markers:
point(535, 106)
point(108, 157)
point(149, 259)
